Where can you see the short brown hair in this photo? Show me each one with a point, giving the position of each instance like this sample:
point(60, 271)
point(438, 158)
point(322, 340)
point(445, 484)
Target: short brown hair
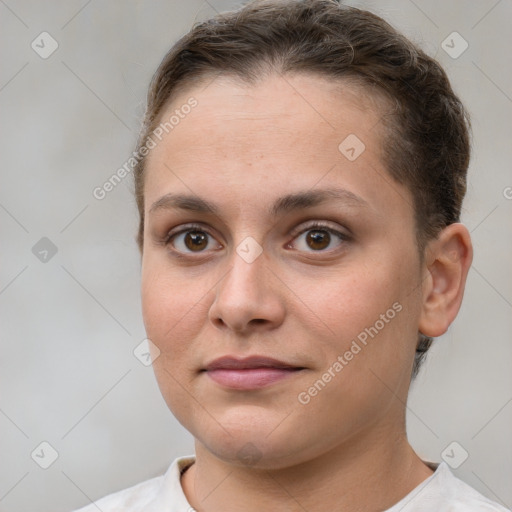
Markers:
point(427, 133)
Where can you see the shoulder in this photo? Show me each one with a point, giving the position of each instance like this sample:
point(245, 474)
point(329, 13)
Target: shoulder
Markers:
point(444, 492)
point(131, 498)
point(157, 493)
point(466, 498)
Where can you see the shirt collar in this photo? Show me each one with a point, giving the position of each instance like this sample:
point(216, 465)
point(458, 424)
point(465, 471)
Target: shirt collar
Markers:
point(171, 497)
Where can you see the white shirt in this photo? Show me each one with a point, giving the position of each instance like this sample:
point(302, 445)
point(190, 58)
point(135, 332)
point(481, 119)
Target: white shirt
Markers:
point(441, 492)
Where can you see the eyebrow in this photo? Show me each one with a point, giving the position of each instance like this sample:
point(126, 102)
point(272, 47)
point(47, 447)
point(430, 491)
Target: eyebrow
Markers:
point(285, 204)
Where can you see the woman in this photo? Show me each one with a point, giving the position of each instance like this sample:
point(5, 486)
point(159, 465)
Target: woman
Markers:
point(299, 178)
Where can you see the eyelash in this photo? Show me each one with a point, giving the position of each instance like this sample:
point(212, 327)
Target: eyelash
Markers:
point(197, 227)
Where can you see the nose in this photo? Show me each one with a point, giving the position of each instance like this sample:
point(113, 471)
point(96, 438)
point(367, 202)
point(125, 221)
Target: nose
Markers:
point(249, 296)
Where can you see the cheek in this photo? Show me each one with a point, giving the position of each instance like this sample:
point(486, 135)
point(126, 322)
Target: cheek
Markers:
point(157, 305)
point(170, 306)
point(344, 302)
point(367, 311)
point(171, 314)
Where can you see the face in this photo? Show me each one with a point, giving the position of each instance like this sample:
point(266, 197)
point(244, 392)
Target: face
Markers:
point(306, 255)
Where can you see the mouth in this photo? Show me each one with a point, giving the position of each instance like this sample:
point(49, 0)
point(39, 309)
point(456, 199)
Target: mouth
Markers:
point(252, 372)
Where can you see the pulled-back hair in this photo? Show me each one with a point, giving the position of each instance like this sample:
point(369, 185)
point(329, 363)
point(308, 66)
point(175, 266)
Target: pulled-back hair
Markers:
point(426, 130)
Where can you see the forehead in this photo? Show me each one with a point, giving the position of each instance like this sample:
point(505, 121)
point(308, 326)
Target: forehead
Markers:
point(286, 132)
point(275, 103)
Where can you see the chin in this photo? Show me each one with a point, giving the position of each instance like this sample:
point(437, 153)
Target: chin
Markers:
point(252, 443)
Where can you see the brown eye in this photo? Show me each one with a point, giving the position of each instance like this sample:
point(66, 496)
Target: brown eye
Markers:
point(192, 240)
point(319, 237)
point(195, 240)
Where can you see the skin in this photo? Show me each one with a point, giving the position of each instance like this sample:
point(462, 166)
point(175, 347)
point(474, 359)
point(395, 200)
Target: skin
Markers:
point(242, 147)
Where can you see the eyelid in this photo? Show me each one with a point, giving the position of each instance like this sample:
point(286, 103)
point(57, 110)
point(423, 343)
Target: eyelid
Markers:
point(319, 225)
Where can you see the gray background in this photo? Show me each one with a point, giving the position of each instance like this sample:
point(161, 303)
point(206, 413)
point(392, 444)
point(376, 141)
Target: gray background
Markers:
point(68, 375)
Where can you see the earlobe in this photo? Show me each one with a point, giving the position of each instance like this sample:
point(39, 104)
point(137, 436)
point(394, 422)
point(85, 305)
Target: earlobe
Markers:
point(447, 264)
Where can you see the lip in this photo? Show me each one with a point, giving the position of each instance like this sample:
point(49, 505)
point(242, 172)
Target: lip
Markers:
point(242, 363)
point(251, 372)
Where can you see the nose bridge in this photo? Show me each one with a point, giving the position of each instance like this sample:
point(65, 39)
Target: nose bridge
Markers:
point(247, 268)
point(244, 293)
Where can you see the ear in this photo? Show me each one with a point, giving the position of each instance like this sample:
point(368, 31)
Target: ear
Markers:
point(446, 266)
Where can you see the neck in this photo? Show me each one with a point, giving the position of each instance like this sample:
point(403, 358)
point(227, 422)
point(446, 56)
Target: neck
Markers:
point(365, 475)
